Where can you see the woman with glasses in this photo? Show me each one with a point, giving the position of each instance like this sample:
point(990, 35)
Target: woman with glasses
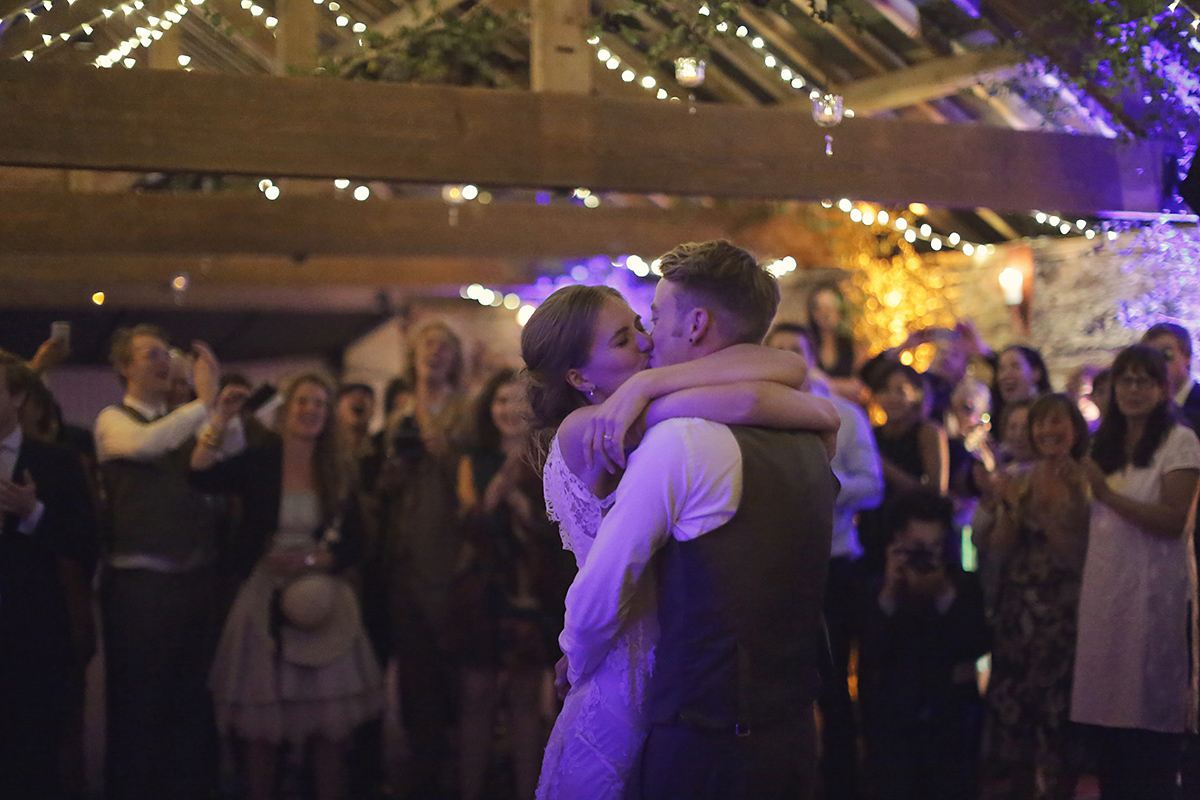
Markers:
point(1135, 654)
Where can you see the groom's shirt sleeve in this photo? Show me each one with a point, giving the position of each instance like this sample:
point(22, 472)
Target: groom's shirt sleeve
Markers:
point(683, 480)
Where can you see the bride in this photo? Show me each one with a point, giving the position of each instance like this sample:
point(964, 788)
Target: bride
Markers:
point(586, 353)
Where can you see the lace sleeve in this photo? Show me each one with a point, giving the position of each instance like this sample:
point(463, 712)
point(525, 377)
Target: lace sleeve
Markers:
point(571, 505)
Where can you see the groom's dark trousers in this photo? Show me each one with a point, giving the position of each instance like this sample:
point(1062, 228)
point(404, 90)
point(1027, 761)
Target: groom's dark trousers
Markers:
point(736, 668)
point(682, 762)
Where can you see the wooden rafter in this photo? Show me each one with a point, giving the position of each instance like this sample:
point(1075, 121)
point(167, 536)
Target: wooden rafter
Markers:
point(56, 222)
point(110, 270)
point(307, 127)
point(929, 80)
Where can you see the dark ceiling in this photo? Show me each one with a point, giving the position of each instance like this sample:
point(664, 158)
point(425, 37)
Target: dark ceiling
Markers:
point(234, 335)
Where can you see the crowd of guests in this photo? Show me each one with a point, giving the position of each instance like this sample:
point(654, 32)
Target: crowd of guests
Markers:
point(266, 568)
point(1074, 513)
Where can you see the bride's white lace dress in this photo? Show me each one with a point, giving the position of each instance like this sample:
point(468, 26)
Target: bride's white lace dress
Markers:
point(600, 730)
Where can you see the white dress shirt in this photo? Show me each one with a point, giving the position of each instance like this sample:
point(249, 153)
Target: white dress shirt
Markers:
point(858, 466)
point(10, 449)
point(119, 435)
point(683, 480)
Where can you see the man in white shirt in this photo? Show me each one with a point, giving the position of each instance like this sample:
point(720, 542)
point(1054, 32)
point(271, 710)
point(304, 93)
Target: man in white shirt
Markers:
point(738, 523)
point(158, 585)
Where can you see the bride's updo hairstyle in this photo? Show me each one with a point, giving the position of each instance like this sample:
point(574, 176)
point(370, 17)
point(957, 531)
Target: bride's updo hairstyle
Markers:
point(558, 338)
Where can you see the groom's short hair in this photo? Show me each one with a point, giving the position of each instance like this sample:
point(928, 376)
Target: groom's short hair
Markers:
point(718, 273)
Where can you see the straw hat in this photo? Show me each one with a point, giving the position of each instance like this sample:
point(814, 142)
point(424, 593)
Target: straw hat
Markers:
point(322, 617)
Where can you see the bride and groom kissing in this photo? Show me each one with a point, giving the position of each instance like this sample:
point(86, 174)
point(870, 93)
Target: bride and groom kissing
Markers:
point(693, 629)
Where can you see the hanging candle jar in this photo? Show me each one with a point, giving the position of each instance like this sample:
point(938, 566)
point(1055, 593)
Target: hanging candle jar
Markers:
point(689, 73)
point(827, 112)
point(452, 195)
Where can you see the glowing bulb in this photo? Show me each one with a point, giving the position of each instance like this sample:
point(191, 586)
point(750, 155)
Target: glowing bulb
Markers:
point(648, 82)
point(628, 76)
point(1040, 217)
point(661, 95)
point(910, 235)
point(1081, 224)
point(844, 205)
point(742, 30)
point(883, 217)
point(968, 249)
point(785, 74)
point(524, 314)
point(953, 239)
point(256, 10)
point(1053, 220)
point(769, 61)
point(470, 192)
point(603, 54)
point(920, 209)
point(362, 193)
point(757, 42)
point(613, 63)
point(270, 22)
point(722, 27)
point(936, 243)
point(512, 302)
point(342, 21)
point(926, 230)
point(591, 201)
point(184, 60)
point(272, 193)
point(593, 40)
point(359, 27)
point(98, 298)
point(797, 83)
point(1065, 228)
point(264, 184)
point(856, 215)
point(1012, 282)
point(341, 183)
point(129, 63)
point(901, 223)
point(180, 282)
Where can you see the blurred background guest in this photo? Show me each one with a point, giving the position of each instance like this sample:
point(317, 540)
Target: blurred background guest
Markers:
point(276, 678)
point(914, 450)
point(923, 633)
point(838, 355)
point(1136, 651)
point(419, 546)
point(1037, 545)
point(508, 594)
point(1020, 375)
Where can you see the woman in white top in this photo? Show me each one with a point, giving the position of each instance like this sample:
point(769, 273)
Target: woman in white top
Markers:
point(1135, 659)
point(585, 350)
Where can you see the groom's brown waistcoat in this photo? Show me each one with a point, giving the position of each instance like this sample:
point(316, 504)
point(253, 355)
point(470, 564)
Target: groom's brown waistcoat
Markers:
point(740, 606)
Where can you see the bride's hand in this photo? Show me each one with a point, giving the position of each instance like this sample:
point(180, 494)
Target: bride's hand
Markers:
point(608, 427)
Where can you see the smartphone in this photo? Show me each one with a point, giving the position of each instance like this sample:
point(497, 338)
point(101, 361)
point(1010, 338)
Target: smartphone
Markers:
point(61, 330)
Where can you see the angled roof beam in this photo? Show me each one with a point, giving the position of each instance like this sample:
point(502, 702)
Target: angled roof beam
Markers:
point(929, 80)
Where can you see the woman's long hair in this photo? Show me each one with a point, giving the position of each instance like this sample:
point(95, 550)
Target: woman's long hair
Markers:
point(1036, 363)
point(1046, 405)
point(558, 338)
point(842, 332)
point(1108, 445)
point(333, 469)
point(486, 436)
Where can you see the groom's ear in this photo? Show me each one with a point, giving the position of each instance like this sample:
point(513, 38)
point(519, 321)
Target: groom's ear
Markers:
point(700, 324)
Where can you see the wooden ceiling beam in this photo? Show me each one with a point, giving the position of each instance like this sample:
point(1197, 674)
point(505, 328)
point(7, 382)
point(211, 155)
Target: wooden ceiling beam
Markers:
point(310, 127)
point(930, 80)
point(103, 271)
point(47, 222)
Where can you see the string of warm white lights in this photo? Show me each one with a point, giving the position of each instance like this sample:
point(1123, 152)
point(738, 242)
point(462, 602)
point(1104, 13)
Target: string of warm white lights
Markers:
point(85, 28)
point(142, 37)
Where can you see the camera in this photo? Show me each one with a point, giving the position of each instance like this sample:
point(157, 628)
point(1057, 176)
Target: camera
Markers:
point(406, 441)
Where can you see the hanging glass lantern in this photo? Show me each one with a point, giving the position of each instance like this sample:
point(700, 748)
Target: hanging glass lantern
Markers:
point(689, 73)
point(827, 112)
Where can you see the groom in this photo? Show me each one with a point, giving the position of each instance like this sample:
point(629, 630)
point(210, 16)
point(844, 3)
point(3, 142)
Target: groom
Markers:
point(738, 523)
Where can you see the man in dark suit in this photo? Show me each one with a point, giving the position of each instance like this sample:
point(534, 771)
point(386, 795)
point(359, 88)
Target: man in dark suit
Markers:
point(48, 526)
point(1175, 343)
